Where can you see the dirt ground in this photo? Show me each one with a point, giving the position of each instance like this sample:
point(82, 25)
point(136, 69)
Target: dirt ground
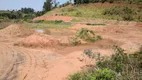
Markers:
point(53, 18)
point(58, 62)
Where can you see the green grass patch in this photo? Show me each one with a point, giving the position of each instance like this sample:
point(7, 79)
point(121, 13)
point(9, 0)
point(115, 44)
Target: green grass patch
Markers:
point(86, 11)
point(45, 25)
point(95, 24)
point(125, 13)
point(49, 22)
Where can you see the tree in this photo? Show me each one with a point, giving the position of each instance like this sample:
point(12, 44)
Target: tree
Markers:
point(55, 4)
point(47, 5)
point(27, 10)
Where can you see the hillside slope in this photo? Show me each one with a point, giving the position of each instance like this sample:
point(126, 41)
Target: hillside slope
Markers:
point(101, 10)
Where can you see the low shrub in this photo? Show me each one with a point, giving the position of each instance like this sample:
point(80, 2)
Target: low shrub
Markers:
point(94, 74)
point(75, 41)
point(78, 14)
point(95, 24)
point(119, 66)
point(86, 35)
point(49, 22)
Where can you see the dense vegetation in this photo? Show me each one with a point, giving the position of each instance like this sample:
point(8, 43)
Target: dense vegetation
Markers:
point(28, 13)
point(49, 5)
point(110, 1)
point(24, 13)
point(126, 13)
point(120, 66)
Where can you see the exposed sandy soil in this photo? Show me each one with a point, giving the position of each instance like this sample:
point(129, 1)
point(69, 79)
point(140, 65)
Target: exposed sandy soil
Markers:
point(53, 18)
point(16, 30)
point(56, 63)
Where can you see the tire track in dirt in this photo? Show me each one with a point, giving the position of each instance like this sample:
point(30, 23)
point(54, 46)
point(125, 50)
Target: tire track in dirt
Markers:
point(34, 68)
point(28, 67)
point(8, 69)
point(11, 69)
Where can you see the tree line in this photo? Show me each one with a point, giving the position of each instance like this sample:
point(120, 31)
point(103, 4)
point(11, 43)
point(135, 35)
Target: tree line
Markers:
point(23, 13)
point(110, 1)
point(29, 13)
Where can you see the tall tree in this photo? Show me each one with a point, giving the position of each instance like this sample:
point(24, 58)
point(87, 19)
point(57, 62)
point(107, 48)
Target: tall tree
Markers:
point(55, 3)
point(47, 5)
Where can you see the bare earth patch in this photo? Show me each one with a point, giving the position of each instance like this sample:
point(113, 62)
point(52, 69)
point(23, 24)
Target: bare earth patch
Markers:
point(39, 40)
point(53, 18)
point(56, 63)
point(18, 30)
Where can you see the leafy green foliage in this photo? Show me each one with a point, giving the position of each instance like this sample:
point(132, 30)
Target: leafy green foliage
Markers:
point(119, 66)
point(75, 41)
point(49, 22)
point(75, 76)
point(95, 24)
point(110, 1)
point(103, 74)
point(27, 10)
point(127, 65)
point(94, 74)
point(24, 13)
point(126, 13)
point(86, 35)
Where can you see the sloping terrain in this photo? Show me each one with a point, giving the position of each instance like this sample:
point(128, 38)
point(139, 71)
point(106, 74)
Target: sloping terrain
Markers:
point(97, 10)
point(16, 30)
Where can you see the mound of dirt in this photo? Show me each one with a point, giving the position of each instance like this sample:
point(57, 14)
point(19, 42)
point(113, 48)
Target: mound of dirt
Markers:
point(53, 18)
point(65, 41)
point(39, 40)
point(17, 30)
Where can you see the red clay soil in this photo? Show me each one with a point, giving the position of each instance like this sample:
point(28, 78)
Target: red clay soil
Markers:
point(20, 63)
point(39, 40)
point(14, 30)
point(53, 18)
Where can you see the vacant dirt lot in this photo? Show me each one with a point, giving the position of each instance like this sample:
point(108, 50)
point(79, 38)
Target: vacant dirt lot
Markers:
point(57, 62)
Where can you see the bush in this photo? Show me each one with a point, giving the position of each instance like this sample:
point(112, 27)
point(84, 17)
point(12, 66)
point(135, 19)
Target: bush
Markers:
point(75, 76)
point(75, 41)
point(103, 1)
point(94, 74)
point(111, 1)
point(119, 66)
point(113, 11)
point(78, 14)
point(127, 17)
point(126, 13)
point(103, 74)
point(127, 65)
point(86, 35)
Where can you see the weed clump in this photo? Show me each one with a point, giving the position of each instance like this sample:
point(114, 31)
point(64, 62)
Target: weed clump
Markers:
point(49, 22)
point(85, 35)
